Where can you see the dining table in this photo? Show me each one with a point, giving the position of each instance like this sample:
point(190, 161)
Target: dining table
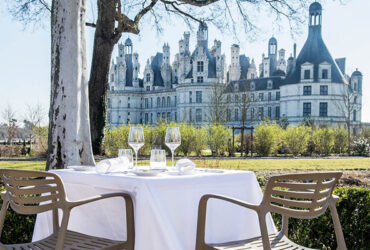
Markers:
point(165, 207)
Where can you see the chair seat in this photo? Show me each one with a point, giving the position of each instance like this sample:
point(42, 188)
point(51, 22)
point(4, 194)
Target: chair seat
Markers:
point(73, 241)
point(277, 241)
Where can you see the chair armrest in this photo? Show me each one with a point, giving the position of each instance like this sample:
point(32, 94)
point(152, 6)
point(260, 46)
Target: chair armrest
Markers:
point(72, 204)
point(255, 207)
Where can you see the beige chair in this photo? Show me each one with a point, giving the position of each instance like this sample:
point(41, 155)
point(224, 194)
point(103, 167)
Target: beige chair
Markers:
point(33, 192)
point(304, 196)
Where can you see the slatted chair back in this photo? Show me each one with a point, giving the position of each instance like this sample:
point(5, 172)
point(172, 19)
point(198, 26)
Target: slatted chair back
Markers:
point(32, 192)
point(305, 195)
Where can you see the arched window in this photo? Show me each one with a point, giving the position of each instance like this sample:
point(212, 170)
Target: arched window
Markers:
point(163, 102)
point(158, 102)
point(168, 101)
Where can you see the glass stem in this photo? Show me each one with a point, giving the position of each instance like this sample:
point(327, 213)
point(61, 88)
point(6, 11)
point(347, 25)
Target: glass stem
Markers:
point(136, 158)
point(172, 157)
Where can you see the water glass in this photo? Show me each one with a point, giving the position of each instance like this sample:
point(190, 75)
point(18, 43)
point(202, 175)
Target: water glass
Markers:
point(127, 153)
point(158, 159)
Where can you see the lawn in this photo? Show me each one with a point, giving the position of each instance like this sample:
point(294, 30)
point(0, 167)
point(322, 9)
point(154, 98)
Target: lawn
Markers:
point(249, 164)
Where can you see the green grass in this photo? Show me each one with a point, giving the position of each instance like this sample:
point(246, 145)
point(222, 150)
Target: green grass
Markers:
point(253, 164)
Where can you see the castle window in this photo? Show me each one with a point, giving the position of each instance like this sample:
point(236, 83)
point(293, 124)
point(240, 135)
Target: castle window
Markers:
point(198, 115)
point(190, 97)
point(158, 102)
point(148, 77)
point(355, 99)
point(252, 76)
point(236, 115)
point(354, 115)
point(200, 66)
point(306, 109)
point(269, 96)
point(151, 118)
point(147, 88)
point(324, 90)
point(269, 85)
point(307, 90)
point(175, 101)
point(146, 103)
point(325, 74)
point(277, 112)
point(163, 102)
point(260, 113)
point(323, 109)
point(355, 86)
point(168, 101)
point(190, 116)
point(228, 115)
point(151, 102)
point(269, 112)
point(198, 96)
point(175, 116)
point(307, 74)
point(261, 96)
point(252, 98)
point(199, 79)
point(277, 95)
point(112, 78)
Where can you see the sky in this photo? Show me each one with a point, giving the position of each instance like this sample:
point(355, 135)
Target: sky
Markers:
point(25, 53)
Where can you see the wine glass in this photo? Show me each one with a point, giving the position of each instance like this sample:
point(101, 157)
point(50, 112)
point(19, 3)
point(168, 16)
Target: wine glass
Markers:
point(173, 139)
point(136, 139)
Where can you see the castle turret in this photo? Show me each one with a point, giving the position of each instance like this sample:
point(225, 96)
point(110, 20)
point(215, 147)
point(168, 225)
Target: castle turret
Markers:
point(234, 68)
point(135, 70)
point(281, 65)
point(202, 35)
point(166, 70)
point(272, 55)
point(252, 70)
point(356, 81)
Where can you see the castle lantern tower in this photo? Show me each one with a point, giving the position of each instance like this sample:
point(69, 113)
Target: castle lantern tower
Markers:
point(235, 70)
point(315, 14)
point(202, 35)
point(272, 54)
point(128, 46)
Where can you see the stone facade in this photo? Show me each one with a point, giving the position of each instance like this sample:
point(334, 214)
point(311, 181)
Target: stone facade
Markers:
point(311, 83)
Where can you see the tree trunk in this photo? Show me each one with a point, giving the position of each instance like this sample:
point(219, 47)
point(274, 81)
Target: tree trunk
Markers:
point(104, 42)
point(69, 125)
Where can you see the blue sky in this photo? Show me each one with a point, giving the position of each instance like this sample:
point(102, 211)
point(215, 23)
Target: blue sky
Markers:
point(25, 54)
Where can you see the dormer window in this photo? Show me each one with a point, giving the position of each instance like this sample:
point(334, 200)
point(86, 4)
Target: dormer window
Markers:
point(324, 74)
point(252, 86)
point(324, 71)
point(148, 77)
point(199, 79)
point(269, 84)
point(200, 66)
point(236, 87)
point(307, 72)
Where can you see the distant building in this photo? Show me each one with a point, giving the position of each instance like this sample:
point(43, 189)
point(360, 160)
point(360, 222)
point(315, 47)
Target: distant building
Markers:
point(310, 84)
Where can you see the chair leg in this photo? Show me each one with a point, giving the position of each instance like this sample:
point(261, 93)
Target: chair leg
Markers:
point(201, 227)
point(4, 208)
point(337, 227)
point(130, 223)
point(264, 232)
point(62, 230)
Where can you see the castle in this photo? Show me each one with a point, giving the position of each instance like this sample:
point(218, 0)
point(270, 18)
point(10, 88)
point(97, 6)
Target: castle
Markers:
point(310, 84)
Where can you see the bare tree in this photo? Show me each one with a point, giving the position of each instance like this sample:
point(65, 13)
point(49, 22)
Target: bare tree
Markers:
point(33, 120)
point(115, 17)
point(10, 121)
point(218, 104)
point(347, 106)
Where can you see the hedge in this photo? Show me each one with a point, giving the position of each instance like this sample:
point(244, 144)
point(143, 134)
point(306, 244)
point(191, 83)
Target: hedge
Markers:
point(353, 209)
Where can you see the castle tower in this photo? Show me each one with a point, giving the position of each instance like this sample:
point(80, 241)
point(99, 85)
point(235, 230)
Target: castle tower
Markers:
point(234, 69)
point(272, 54)
point(128, 46)
point(135, 70)
point(356, 81)
point(166, 70)
point(281, 65)
point(202, 35)
point(252, 70)
point(186, 41)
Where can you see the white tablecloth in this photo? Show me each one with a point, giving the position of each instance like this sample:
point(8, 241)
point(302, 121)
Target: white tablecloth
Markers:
point(165, 208)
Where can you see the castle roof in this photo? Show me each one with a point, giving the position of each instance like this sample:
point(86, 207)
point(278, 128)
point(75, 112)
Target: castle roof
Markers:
point(315, 52)
point(211, 63)
point(129, 70)
point(156, 67)
point(244, 65)
point(259, 84)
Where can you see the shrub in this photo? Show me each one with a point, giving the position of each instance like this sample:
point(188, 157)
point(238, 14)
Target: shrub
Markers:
point(11, 150)
point(353, 210)
point(340, 140)
point(199, 141)
point(296, 139)
point(365, 133)
point(115, 138)
point(361, 147)
point(217, 138)
point(266, 138)
point(323, 140)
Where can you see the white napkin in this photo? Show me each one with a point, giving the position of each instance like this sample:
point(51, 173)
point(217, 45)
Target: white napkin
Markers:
point(112, 165)
point(185, 166)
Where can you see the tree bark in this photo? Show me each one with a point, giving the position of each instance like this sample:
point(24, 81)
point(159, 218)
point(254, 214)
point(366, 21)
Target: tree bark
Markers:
point(69, 125)
point(104, 41)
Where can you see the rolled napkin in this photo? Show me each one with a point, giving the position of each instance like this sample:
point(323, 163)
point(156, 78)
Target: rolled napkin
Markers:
point(185, 166)
point(112, 165)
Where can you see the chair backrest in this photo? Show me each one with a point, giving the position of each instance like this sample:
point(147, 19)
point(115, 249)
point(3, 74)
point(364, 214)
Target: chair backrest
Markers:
point(303, 195)
point(32, 192)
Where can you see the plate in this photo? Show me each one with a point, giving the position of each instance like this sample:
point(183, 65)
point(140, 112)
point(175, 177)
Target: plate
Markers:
point(81, 168)
point(148, 172)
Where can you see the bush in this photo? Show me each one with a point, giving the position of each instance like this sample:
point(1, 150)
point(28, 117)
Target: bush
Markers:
point(361, 147)
point(296, 139)
point(217, 138)
point(266, 138)
point(365, 133)
point(340, 140)
point(323, 140)
point(354, 214)
point(11, 150)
